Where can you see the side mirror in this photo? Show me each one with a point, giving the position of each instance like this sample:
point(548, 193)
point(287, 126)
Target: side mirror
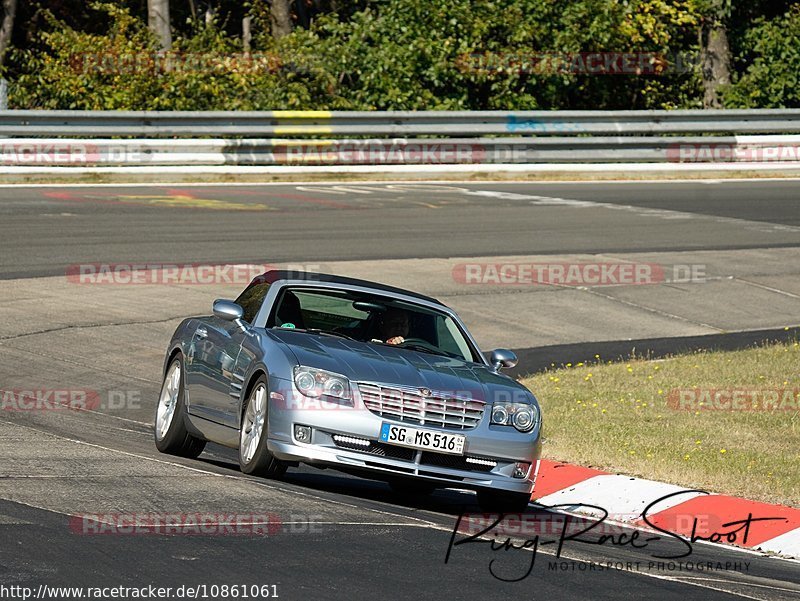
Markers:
point(229, 311)
point(502, 358)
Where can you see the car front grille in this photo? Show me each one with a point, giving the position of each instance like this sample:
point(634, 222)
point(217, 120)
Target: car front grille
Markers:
point(410, 405)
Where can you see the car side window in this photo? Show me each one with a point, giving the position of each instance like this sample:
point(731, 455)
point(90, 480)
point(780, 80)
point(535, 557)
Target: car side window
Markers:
point(251, 299)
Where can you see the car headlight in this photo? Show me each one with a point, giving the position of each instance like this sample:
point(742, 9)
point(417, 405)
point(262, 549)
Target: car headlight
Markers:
point(520, 415)
point(318, 383)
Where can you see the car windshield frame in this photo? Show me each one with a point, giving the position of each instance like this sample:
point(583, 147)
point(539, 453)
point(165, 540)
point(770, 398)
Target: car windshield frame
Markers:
point(275, 294)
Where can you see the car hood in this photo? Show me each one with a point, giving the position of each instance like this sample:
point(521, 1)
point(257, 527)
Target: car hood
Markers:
point(368, 362)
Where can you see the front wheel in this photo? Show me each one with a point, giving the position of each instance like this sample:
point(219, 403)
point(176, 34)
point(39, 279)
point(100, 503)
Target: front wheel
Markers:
point(254, 457)
point(170, 431)
point(501, 501)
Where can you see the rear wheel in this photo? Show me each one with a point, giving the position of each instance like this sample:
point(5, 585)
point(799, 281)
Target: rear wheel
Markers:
point(501, 501)
point(171, 434)
point(254, 457)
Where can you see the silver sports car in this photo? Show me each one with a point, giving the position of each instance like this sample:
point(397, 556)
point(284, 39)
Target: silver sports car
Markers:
point(338, 372)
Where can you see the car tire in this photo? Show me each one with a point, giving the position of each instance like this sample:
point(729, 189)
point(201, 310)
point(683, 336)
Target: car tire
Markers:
point(254, 457)
point(170, 433)
point(411, 488)
point(501, 501)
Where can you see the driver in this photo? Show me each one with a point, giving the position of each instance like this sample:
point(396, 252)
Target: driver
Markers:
point(393, 326)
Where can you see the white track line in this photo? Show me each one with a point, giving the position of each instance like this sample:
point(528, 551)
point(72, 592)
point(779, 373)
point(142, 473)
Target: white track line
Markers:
point(410, 182)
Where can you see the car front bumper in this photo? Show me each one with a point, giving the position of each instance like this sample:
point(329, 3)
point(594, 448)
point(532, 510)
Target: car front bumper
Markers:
point(485, 445)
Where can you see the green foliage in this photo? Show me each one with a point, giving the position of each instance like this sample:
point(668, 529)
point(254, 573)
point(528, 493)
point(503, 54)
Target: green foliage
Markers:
point(400, 54)
point(771, 50)
point(482, 54)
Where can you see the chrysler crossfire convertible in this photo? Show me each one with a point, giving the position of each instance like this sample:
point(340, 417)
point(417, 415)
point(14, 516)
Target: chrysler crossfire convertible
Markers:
point(369, 379)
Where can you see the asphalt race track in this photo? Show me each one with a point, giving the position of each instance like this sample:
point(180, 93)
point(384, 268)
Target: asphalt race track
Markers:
point(328, 535)
point(44, 229)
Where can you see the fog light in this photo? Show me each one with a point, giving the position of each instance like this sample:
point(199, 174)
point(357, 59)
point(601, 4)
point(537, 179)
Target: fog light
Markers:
point(302, 433)
point(351, 440)
point(521, 470)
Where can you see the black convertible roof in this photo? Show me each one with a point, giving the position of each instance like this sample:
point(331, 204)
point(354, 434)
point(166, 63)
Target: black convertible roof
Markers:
point(308, 276)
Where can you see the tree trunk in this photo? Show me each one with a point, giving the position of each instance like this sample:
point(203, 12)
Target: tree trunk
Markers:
point(158, 21)
point(302, 14)
point(247, 36)
point(9, 12)
point(281, 18)
point(716, 57)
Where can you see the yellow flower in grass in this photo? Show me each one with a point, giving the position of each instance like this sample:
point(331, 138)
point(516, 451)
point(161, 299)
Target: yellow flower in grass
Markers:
point(723, 451)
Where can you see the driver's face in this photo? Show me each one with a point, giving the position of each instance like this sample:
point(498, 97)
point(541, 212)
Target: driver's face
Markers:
point(394, 323)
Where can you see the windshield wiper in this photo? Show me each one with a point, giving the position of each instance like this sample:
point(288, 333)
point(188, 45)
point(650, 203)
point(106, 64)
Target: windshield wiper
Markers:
point(329, 333)
point(316, 331)
point(425, 349)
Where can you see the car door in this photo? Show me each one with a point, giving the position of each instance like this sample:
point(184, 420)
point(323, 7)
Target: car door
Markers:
point(214, 350)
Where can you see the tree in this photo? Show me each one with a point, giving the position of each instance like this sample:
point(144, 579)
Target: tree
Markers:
point(158, 20)
point(281, 18)
point(715, 53)
point(770, 52)
point(9, 12)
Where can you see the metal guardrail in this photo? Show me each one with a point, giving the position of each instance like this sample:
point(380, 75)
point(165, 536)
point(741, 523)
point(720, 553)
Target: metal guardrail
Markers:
point(395, 123)
point(403, 151)
point(109, 138)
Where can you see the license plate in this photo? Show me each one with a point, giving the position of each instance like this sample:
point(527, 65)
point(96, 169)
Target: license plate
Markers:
point(422, 439)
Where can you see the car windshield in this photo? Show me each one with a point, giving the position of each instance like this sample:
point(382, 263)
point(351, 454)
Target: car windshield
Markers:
point(371, 318)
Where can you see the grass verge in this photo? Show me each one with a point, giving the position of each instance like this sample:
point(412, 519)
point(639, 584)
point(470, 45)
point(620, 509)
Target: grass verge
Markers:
point(669, 419)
